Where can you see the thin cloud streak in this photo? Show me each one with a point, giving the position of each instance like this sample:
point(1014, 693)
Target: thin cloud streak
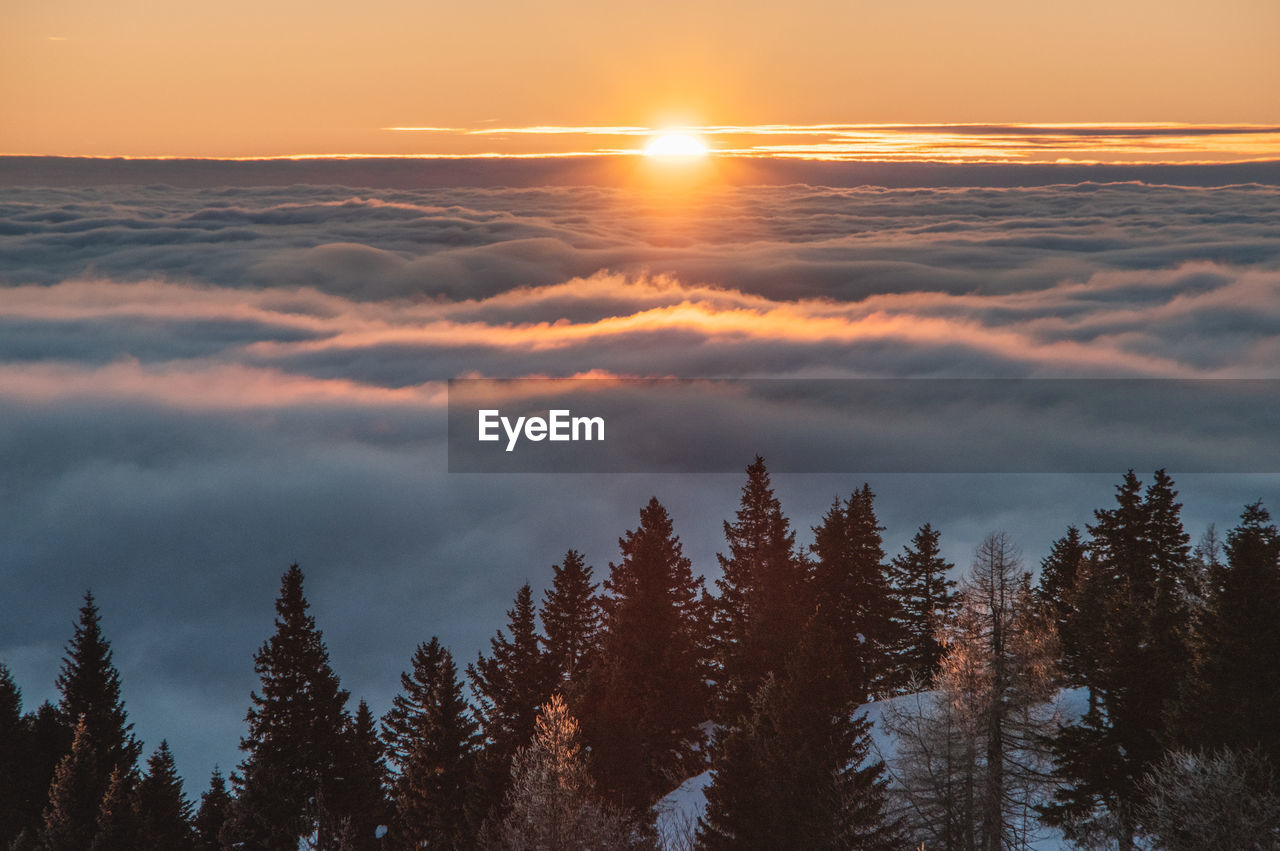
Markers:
point(1009, 143)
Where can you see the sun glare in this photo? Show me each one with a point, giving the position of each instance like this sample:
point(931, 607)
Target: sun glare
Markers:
point(676, 145)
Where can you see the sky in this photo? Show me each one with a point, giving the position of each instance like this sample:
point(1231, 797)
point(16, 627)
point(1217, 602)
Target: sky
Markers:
point(141, 78)
point(212, 367)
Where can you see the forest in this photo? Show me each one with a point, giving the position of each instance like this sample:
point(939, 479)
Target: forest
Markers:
point(1123, 693)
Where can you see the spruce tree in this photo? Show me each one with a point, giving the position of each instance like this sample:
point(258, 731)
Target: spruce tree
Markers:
point(1233, 697)
point(296, 726)
point(647, 694)
point(13, 754)
point(119, 825)
point(89, 685)
point(796, 771)
point(1206, 560)
point(926, 599)
point(48, 739)
point(1174, 589)
point(363, 805)
point(1062, 573)
point(509, 685)
point(432, 742)
point(570, 619)
point(163, 809)
point(764, 599)
point(1130, 643)
point(215, 810)
point(854, 601)
point(71, 816)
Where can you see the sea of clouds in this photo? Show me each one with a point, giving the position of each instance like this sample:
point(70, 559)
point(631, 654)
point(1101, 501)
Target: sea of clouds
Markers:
point(199, 386)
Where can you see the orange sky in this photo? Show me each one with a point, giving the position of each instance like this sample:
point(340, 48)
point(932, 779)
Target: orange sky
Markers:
point(245, 78)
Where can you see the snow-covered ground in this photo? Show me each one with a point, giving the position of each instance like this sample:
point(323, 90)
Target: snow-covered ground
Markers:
point(679, 811)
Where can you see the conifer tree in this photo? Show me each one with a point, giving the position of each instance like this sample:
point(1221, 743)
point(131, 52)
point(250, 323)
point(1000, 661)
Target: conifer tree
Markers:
point(296, 726)
point(89, 685)
point(647, 694)
point(214, 812)
point(363, 805)
point(570, 619)
point(764, 595)
point(13, 753)
point(796, 772)
point(1206, 560)
point(119, 825)
point(1233, 697)
point(432, 742)
point(71, 816)
point(163, 809)
point(1062, 572)
point(1130, 643)
point(47, 741)
point(509, 685)
point(926, 599)
point(1174, 589)
point(854, 601)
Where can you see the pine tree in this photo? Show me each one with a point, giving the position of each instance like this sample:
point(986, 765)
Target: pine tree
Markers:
point(796, 772)
point(214, 812)
point(854, 601)
point(764, 599)
point(1233, 697)
point(89, 685)
point(551, 802)
point(509, 686)
point(71, 816)
point(926, 599)
point(647, 694)
point(119, 825)
point(163, 808)
point(571, 619)
point(295, 730)
point(1130, 644)
point(432, 741)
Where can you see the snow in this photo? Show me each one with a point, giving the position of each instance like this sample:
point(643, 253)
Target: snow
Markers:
point(883, 743)
point(678, 812)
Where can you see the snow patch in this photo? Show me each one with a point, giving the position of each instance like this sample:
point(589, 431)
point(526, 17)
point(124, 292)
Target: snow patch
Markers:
point(678, 812)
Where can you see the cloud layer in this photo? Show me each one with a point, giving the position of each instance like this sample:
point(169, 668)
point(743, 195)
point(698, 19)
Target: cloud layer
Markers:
point(200, 386)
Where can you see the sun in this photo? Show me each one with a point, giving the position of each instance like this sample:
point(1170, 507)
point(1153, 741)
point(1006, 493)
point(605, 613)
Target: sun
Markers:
point(676, 145)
